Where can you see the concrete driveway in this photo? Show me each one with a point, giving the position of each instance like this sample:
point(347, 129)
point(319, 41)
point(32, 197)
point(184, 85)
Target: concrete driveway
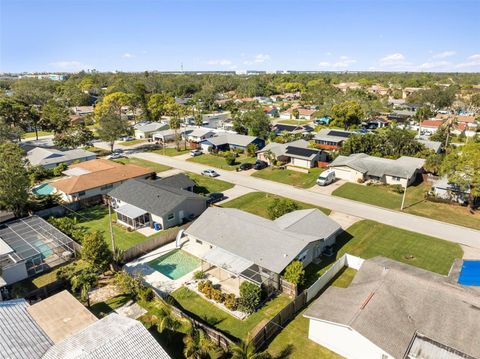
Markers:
point(235, 192)
point(327, 189)
point(427, 226)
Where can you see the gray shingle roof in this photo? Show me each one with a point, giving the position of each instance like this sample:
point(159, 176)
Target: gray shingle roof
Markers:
point(45, 156)
point(332, 135)
point(180, 181)
point(260, 240)
point(20, 336)
point(113, 337)
point(403, 167)
point(388, 302)
point(152, 196)
point(231, 139)
point(280, 149)
point(311, 222)
point(150, 127)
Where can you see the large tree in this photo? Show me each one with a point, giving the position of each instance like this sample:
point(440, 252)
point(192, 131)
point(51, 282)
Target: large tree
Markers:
point(253, 123)
point(14, 181)
point(95, 251)
point(55, 116)
point(160, 104)
point(347, 114)
point(111, 126)
point(112, 104)
point(73, 137)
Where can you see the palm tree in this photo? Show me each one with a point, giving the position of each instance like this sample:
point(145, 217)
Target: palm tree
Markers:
point(84, 281)
point(246, 350)
point(167, 320)
point(198, 346)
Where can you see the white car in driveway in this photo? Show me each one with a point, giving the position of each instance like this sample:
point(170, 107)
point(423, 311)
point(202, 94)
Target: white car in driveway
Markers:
point(196, 152)
point(210, 173)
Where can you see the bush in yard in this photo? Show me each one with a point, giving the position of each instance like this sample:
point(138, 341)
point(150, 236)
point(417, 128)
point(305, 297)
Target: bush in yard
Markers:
point(217, 295)
point(199, 274)
point(208, 291)
point(95, 251)
point(250, 295)
point(252, 149)
point(146, 294)
point(279, 207)
point(230, 160)
point(294, 273)
point(57, 171)
point(230, 301)
point(397, 188)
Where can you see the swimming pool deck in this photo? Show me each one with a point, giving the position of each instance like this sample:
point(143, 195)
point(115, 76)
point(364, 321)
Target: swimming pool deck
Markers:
point(158, 281)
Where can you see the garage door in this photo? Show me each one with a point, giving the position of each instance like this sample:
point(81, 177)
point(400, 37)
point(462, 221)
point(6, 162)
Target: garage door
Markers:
point(344, 174)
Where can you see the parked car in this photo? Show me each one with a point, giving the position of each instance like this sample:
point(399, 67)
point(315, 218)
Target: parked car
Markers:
point(215, 197)
point(245, 166)
point(328, 251)
point(127, 138)
point(210, 173)
point(196, 152)
point(117, 150)
point(326, 177)
point(259, 165)
point(115, 156)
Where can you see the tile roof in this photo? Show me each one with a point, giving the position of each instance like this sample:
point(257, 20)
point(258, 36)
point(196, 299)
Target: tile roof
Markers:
point(388, 302)
point(20, 335)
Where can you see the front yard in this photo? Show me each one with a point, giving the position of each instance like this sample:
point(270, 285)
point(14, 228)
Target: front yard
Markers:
point(257, 203)
point(220, 162)
point(130, 143)
point(157, 167)
point(221, 320)
point(293, 342)
point(170, 151)
point(415, 203)
point(294, 178)
point(206, 185)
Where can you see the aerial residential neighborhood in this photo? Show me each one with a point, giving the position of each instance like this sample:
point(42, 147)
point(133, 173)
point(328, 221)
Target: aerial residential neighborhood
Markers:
point(239, 179)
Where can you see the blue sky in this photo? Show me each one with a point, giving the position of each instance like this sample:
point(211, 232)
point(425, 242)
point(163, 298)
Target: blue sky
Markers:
point(138, 35)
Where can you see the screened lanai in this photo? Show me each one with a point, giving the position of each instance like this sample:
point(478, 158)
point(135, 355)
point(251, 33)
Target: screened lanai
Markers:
point(34, 241)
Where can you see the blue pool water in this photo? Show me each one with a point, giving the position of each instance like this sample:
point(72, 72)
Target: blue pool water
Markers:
point(175, 264)
point(43, 190)
point(43, 248)
point(470, 273)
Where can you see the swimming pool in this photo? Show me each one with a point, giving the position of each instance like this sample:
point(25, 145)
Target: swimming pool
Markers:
point(175, 264)
point(470, 273)
point(43, 189)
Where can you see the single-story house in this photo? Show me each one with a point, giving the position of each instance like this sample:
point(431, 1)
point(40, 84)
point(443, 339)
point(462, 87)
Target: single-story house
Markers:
point(374, 123)
point(199, 134)
point(60, 327)
point(216, 119)
point(430, 126)
point(394, 310)
point(444, 189)
point(82, 110)
point(435, 146)
point(296, 153)
point(159, 204)
point(29, 246)
point(401, 115)
point(280, 128)
point(256, 249)
point(164, 135)
point(231, 141)
point(96, 178)
point(360, 166)
point(271, 111)
point(331, 139)
point(303, 113)
point(146, 130)
point(50, 158)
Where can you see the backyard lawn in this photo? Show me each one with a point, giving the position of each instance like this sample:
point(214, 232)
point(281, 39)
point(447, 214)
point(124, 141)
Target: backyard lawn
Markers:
point(169, 151)
point(294, 178)
point(157, 167)
point(206, 185)
point(415, 203)
point(220, 162)
point(293, 342)
point(223, 321)
point(96, 219)
point(257, 203)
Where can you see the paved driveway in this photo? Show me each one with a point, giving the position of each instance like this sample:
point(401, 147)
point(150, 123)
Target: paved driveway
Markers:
point(450, 232)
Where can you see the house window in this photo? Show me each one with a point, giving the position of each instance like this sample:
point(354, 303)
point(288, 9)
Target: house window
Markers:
point(171, 217)
point(82, 193)
point(108, 186)
point(303, 256)
point(396, 178)
point(198, 241)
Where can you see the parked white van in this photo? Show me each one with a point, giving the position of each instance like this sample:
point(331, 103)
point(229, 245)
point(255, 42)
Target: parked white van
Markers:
point(326, 177)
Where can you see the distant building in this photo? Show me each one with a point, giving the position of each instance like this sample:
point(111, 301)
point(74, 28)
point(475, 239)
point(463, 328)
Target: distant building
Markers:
point(50, 158)
point(143, 131)
point(296, 153)
point(331, 139)
point(231, 141)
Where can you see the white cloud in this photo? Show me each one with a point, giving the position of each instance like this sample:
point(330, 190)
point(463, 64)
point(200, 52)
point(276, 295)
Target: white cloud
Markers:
point(392, 59)
point(69, 66)
point(128, 55)
point(221, 62)
point(434, 65)
point(444, 54)
point(343, 62)
point(472, 61)
point(258, 59)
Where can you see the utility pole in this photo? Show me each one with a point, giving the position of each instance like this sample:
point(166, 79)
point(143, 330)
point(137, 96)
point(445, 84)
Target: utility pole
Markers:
point(404, 195)
point(110, 225)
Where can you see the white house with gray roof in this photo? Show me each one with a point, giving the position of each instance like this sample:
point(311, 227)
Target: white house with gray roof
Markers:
point(362, 167)
point(297, 153)
point(257, 249)
point(230, 141)
point(51, 158)
point(146, 130)
point(394, 310)
point(159, 204)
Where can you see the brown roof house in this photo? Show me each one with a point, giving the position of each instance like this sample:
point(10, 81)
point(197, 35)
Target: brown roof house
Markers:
point(95, 178)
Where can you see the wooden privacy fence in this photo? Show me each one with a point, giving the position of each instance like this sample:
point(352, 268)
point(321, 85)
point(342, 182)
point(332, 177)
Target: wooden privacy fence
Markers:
point(264, 334)
point(153, 243)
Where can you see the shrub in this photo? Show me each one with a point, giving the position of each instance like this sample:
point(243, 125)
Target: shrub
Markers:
point(250, 295)
point(252, 149)
point(57, 171)
point(202, 284)
point(217, 295)
point(279, 207)
point(146, 294)
point(95, 251)
point(360, 180)
point(207, 291)
point(294, 273)
point(199, 274)
point(230, 302)
point(397, 188)
point(230, 160)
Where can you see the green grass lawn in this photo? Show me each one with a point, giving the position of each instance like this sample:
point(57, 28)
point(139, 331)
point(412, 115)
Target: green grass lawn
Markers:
point(415, 203)
point(295, 122)
point(96, 219)
point(257, 203)
point(223, 321)
point(101, 309)
point(32, 134)
point(169, 151)
point(100, 152)
point(157, 167)
point(294, 178)
point(220, 162)
point(293, 342)
point(206, 185)
point(131, 142)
